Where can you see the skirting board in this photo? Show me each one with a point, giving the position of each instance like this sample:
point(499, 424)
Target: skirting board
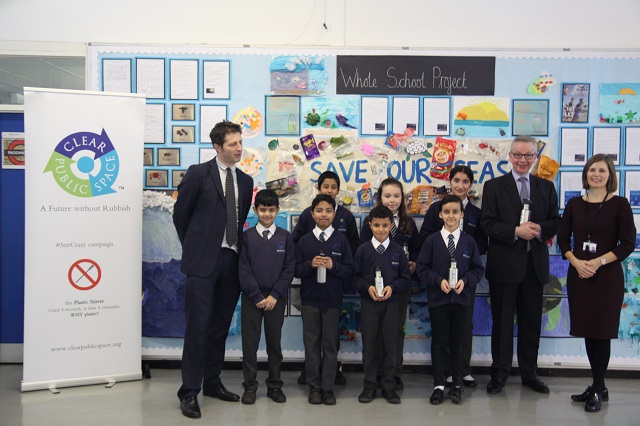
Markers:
point(11, 353)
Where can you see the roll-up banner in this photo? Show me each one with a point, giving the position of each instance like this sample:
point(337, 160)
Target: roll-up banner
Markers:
point(83, 237)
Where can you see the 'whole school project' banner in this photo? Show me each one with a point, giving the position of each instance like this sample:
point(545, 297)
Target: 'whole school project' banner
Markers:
point(83, 238)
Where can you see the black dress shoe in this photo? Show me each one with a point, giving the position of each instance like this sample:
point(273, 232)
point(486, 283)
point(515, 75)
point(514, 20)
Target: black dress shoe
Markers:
point(470, 383)
point(594, 403)
point(536, 385)
point(315, 396)
point(391, 396)
point(340, 380)
point(249, 397)
point(276, 395)
point(367, 395)
point(399, 384)
point(494, 387)
point(220, 392)
point(190, 407)
point(584, 396)
point(455, 394)
point(328, 398)
point(437, 397)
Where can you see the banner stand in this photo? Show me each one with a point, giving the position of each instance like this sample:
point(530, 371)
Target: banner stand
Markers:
point(83, 238)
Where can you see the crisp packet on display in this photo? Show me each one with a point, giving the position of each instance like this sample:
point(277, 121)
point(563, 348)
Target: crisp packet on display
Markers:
point(444, 152)
point(365, 196)
point(309, 147)
point(419, 199)
point(547, 168)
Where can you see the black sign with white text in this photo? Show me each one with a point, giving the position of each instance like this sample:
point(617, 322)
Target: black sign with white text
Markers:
point(415, 75)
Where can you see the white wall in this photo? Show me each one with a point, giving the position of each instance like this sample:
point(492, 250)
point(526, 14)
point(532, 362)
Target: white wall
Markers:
point(510, 24)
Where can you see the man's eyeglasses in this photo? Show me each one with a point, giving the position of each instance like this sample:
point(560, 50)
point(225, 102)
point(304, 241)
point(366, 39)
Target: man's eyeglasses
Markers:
point(518, 156)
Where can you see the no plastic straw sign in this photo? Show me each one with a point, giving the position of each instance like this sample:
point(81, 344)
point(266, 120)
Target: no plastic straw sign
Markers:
point(84, 274)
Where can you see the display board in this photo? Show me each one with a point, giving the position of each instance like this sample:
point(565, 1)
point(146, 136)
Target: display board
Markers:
point(366, 115)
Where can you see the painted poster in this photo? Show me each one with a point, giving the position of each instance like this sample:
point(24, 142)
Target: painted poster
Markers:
point(485, 117)
point(337, 114)
point(619, 103)
point(282, 115)
point(298, 75)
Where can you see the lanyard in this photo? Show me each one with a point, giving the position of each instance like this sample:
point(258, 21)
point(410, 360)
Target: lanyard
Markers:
point(596, 218)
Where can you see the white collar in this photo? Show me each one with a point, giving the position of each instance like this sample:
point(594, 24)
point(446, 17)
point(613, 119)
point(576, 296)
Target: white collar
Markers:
point(375, 243)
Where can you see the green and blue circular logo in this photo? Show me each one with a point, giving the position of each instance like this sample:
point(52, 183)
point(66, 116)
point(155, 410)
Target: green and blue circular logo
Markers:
point(85, 164)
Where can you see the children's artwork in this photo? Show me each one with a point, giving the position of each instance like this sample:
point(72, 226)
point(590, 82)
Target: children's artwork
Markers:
point(250, 120)
point(631, 268)
point(282, 115)
point(575, 103)
point(619, 103)
point(555, 305)
point(541, 84)
point(298, 75)
point(350, 323)
point(252, 162)
point(629, 327)
point(531, 117)
point(418, 325)
point(295, 302)
point(481, 117)
point(339, 113)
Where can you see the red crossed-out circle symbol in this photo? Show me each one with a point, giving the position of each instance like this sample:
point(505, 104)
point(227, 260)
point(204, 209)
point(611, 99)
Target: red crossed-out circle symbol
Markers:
point(84, 274)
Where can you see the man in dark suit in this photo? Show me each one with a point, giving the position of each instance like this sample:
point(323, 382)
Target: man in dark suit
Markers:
point(518, 262)
point(212, 206)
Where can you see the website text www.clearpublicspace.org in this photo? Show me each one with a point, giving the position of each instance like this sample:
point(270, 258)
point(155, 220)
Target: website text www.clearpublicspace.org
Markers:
point(90, 346)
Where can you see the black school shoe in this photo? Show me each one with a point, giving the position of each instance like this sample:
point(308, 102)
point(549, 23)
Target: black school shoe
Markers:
point(328, 398)
point(391, 396)
point(276, 395)
point(367, 395)
point(315, 396)
point(455, 394)
point(437, 397)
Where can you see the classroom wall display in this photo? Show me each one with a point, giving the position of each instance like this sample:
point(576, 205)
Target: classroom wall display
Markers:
point(351, 103)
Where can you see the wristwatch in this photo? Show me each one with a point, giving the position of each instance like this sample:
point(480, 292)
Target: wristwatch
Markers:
point(603, 261)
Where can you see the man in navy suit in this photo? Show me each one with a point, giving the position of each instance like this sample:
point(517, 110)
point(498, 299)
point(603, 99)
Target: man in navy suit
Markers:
point(209, 214)
point(518, 262)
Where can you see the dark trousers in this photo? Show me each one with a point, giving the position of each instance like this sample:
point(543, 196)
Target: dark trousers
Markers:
point(320, 336)
point(525, 300)
point(209, 305)
point(403, 302)
point(448, 328)
point(251, 331)
point(467, 344)
point(379, 341)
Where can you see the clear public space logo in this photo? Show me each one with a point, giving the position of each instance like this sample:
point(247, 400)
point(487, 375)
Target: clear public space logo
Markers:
point(85, 164)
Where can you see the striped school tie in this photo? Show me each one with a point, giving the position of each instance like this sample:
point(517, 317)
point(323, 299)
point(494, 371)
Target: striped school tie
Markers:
point(321, 237)
point(451, 247)
point(380, 249)
point(265, 234)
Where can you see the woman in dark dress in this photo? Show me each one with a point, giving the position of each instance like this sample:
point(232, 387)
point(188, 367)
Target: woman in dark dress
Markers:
point(604, 235)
